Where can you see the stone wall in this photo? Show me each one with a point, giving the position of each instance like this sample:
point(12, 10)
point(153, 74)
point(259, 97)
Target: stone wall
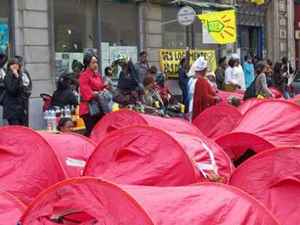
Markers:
point(32, 40)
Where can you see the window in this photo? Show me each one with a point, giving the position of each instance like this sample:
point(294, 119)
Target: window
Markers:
point(75, 24)
point(119, 34)
point(4, 26)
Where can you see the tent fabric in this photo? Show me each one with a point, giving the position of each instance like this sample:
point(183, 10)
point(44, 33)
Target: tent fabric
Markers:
point(28, 163)
point(125, 118)
point(218, 120)
point(84, 201)
point(276, 122)
point(235, 144)
point(243, 108)
point(226, 95)
point(11, 209)
point(206, 203)
point(273, 178)
point(72, 150)
point(150, 156)
point(87, 201)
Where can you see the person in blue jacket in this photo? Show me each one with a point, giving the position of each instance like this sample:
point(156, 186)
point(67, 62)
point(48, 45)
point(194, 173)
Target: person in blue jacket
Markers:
point(248, 71)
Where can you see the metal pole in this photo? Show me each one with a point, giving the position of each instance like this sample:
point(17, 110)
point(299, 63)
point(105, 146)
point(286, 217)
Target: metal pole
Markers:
point(99, 31)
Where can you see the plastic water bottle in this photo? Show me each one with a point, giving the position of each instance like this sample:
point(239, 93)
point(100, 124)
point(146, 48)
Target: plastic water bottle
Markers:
point(53, 120)
point(48, 120)
point(67, 112)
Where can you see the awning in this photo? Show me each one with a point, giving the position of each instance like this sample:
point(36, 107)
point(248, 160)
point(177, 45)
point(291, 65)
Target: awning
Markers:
point(208, 5)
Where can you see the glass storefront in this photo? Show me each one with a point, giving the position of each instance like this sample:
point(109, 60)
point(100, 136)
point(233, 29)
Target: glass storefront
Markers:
point(4, 26)
point(119, 34)
point(75, 28)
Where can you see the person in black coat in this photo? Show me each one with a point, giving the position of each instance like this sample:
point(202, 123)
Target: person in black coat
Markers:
point(14, 108)
point(64, 94)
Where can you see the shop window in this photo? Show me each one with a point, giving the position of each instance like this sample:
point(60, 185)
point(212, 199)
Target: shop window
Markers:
point(119, 34)
point(4, 26)
point(75, 24)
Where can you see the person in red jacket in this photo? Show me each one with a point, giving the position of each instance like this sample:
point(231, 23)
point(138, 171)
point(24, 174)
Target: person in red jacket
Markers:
point(91, 83)
point(204, 95)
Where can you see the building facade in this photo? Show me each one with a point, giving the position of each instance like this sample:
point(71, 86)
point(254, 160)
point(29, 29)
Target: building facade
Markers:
point(51, 34)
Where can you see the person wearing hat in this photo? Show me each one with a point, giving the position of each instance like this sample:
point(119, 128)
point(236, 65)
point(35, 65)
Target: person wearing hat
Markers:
point(204, 95)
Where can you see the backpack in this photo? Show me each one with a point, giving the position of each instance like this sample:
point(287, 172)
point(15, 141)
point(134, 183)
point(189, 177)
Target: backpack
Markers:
point(250, 91)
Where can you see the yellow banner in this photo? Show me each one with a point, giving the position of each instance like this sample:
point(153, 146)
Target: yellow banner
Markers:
point(220, 25)
point(170, 59)
point(258, 2)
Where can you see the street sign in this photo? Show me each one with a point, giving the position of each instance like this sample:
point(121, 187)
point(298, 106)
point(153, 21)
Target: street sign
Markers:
point(186, 16)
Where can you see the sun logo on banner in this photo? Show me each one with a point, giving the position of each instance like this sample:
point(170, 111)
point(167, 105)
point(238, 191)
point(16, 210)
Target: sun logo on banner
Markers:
point(220, 25)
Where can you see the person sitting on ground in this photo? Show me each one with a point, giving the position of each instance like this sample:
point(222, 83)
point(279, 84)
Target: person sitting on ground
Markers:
point(64, 94)
point(261, 86)
point(163, 90)
point(65, 125)
point(111, 85)
point(151, 96)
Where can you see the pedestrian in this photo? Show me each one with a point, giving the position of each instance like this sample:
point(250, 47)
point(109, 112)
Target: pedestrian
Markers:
point(27, 86)
point(249, 71)
point(204, 95)
point(65, 125)
point(231, 79)
point(14, 108)
point(269, 73)
point(142, 67)
point(184, 80)
point(220, 73)
point(286, 73)
point(91, 84)
point(261, 86)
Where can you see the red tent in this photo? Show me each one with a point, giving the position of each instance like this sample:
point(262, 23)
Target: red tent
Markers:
point(11, 209)
point(267, 124)
point(150, 156)
point(92, 201)
point(273, 177)
point(218, 120)
point(85, 201)
point(124, 118)
point(243, 108)
point(28, 163)
point(72, 150)
point(226, 95)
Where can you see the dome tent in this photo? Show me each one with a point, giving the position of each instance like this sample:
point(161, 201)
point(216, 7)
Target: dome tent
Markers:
point(273, 178)
point(218, 120)
point(149, 156)
point(271, 123)
point(72, 150)
point(28, 163)
point(125, 118)
point(92, 201)
point(11, 209)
